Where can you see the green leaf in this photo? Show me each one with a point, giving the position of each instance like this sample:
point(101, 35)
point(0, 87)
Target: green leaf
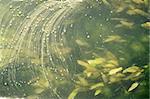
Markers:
point(114, 71)
point(82, 63)
point(96, 61)
point(133, 86)
point(82, 43)
point(138, 1)
point(73, 93)
point(101, 84)
point(104, 77)
point(146, 25)
point(114, 38)
point(86, 65)
point(132, 69)
point(98, 91)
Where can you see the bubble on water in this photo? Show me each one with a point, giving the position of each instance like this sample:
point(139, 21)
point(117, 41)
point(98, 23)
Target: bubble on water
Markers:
point(100, 36)
point(88, 36)
point(5, 83)
point(90, 17)
point(10, 6)
point(28, 17)
point(85, 14)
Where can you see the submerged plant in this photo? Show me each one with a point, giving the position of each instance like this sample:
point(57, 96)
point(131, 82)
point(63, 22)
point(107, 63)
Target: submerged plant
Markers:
point(100, 74)
point(59, 49)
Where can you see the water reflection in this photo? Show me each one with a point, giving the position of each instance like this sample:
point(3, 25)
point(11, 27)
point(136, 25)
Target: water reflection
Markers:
point(66, 49)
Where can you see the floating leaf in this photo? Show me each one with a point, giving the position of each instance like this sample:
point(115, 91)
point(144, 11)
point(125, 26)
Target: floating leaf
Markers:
point(119, 19)
point(114, 38)
point(119, 75)
point(82, 63)
point(101, 84)
point(88, 67)
point(109, 65)
point(146, 25)
point(73, 93)
point(96, 61)
point(138, 73)
point(82, 43)
point(104, 77)
point(133, 86)
point(114, 71)
point(98, 91)
point(132, 69)
point(135, 11)
point(138, 1)
point(125, 24)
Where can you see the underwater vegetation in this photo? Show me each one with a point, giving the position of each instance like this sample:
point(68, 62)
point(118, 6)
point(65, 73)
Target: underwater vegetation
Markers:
point(74, 49)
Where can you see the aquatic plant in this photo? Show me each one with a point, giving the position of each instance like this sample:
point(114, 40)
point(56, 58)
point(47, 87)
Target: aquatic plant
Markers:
point(101, 75)
point(59, 49)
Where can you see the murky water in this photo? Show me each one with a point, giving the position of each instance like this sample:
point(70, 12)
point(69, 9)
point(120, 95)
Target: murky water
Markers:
point(74, 49)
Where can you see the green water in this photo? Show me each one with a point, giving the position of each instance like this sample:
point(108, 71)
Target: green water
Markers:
point(61, 49)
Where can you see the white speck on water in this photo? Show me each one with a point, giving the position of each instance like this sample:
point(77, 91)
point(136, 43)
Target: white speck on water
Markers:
point(88, 36)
